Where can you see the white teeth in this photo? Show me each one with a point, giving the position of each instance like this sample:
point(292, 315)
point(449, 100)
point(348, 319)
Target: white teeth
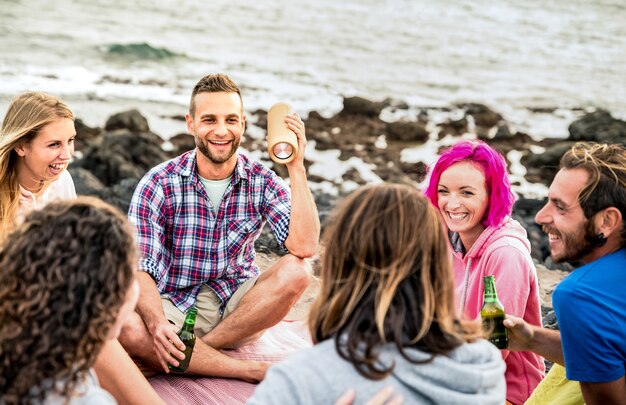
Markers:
point(57, 166)
point(456, 217)
point(552, 237)
point(220, 143)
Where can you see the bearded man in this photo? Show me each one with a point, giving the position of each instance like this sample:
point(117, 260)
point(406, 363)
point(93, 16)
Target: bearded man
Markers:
point(584, 219)
point(197, 218)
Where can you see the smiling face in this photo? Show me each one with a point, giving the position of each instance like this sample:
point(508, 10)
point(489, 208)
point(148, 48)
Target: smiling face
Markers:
point(45, 157)
point(217, 125)
point(562, 218)
point(463, 200)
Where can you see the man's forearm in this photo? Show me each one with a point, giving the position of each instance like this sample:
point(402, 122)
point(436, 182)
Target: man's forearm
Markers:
point(149, 306)
point(547, 343)
point(304, 225)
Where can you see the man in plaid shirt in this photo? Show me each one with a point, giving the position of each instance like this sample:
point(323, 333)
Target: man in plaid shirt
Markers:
point(197, 217)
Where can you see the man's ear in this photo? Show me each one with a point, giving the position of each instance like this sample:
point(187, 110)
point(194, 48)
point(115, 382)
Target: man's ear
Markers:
point(189, 120)
point(608, 221)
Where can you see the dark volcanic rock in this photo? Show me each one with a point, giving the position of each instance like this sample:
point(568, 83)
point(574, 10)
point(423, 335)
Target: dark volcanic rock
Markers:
point(524, 211)
point(395, 104)
point(503, 131)
point(549, 319)
point(453, 127)
point(416, 171)
point(506, 143)
point(131, 120)
point(406, 131)
point(120, 155)
point(84, 134)
point(361, 106)
point(483, 115)
point(543, 167)
point(598, 126)
point(85, 182)
point(565, 266)
point(182, 142)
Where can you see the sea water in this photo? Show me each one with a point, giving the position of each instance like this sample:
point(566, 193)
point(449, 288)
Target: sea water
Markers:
point(104, 56)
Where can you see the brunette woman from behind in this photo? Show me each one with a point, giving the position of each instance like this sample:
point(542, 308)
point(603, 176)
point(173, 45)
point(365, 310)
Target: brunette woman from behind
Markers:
point(385, 314)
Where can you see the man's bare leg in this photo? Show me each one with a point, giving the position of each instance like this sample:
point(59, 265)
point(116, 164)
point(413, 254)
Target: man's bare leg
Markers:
point(266, 304)
point(205, 360)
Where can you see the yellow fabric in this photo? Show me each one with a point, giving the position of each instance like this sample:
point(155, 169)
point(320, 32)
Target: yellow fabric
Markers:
point(555, 388)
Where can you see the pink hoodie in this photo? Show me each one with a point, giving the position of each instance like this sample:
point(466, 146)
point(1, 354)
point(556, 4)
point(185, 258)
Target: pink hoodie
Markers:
point(504, 252)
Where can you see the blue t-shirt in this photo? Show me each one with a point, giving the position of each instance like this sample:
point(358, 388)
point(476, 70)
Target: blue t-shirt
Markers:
point(590, 305)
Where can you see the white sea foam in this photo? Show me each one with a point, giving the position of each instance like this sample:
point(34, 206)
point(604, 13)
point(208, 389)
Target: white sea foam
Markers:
point(510, 56)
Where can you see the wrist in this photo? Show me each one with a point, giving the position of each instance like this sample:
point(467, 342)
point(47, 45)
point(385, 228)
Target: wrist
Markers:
point(296, 170)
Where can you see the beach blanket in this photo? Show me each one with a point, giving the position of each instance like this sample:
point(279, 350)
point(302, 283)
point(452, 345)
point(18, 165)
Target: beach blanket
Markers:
point(275, 344)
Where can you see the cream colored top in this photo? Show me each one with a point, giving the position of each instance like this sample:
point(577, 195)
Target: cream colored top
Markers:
point(61, 189)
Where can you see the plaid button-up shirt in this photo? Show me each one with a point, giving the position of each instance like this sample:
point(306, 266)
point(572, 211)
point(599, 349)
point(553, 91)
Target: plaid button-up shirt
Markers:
point(184, 245)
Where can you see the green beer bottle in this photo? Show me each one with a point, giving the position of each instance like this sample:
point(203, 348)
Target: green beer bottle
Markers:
point(188, 337)
point(492, 314)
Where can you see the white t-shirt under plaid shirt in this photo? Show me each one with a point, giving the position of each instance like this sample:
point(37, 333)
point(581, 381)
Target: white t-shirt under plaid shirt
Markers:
point(184, 245)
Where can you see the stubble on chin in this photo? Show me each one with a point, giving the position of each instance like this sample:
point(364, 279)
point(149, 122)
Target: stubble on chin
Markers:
point(576, 245)
point(203, 147)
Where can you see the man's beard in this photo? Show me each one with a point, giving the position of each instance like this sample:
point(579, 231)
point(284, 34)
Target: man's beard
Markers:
point(203, 147)
point(575, 245)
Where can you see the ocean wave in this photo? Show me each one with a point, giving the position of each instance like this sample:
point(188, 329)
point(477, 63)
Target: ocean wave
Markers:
point(140, 51)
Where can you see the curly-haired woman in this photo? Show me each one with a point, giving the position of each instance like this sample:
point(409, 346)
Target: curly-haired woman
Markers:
point(66, 287)
point(385, 314)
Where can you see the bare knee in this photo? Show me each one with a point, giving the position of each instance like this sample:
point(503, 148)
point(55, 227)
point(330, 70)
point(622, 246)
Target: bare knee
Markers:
point(293, 275)
point(134, 336)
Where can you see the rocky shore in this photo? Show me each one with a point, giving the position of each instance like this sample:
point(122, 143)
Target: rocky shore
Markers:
point(111, 160)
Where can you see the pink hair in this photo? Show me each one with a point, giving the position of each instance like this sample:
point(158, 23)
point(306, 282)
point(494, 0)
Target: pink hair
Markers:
point(497, 180)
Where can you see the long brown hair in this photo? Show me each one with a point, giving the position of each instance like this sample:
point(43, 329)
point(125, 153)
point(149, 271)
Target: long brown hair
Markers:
point(386, 278)
point(26, 115)
point(65, 273)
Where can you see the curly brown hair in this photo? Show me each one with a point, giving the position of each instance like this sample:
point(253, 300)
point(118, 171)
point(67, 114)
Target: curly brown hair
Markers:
point(65, 273)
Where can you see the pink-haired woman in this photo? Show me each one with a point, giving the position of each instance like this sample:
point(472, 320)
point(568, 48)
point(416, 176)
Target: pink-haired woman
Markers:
point(470, 186)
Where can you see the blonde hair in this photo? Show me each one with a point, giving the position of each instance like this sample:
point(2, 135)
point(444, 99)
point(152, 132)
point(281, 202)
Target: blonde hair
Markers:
point(387, 278)
point(26, 115)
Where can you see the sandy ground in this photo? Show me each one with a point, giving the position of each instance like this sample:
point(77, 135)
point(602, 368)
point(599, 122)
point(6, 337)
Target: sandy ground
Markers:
point(548, 279)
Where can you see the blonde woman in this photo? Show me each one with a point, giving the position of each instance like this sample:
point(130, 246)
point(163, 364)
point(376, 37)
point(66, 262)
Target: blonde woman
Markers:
point(36, 145)
point(385, 314)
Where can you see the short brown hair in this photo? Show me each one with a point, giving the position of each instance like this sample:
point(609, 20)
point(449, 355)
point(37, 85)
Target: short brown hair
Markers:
point(213, 83)
point(606, 166)
point(387, 278)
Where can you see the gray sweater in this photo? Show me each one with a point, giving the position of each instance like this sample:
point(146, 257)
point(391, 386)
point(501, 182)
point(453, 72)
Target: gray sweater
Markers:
point(471, 374)
point(88, 392)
